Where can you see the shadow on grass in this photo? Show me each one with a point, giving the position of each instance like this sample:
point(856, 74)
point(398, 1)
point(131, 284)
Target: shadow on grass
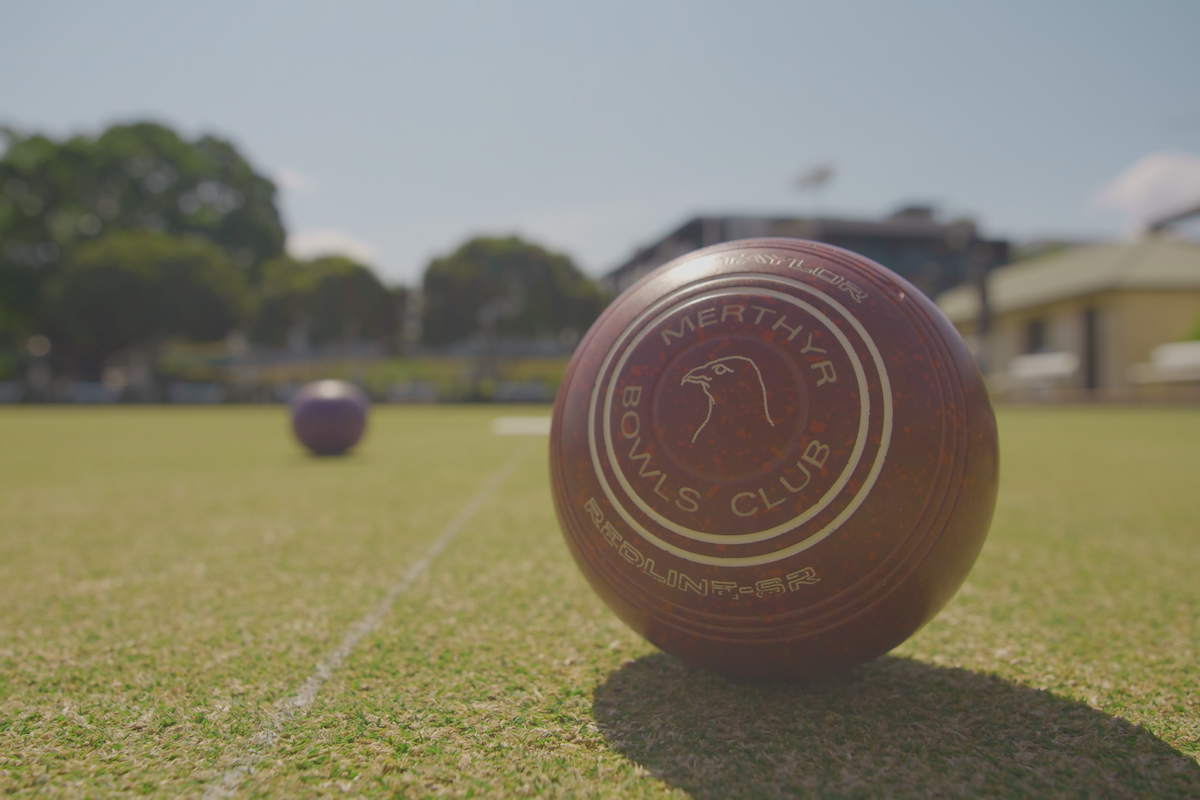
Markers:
point(306, 458)
point(893, 728)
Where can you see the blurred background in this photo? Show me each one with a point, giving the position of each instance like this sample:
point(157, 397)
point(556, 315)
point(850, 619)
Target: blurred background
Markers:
point(215, 203)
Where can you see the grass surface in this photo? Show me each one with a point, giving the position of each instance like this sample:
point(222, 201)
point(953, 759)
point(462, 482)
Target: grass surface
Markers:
point(168, 577)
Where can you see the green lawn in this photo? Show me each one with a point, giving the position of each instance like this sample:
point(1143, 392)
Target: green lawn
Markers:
point(171, 578)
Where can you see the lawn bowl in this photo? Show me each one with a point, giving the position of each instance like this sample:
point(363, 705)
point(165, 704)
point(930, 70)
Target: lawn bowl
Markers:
point(774, 459)
point(329, 417)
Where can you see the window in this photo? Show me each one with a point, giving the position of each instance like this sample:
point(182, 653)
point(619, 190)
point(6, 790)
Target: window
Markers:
point(1035, 336)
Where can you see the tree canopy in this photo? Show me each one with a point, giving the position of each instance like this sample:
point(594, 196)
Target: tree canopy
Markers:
point(326, 301)
point(132, 289)
point(518, 287)
point(57, 195)
point(123, 241)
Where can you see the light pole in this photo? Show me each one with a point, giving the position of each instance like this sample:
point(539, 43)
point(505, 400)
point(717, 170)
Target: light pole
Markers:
point(814, 180)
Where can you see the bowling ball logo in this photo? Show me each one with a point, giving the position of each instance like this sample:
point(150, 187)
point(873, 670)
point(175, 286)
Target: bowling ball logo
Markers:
point(741, 421)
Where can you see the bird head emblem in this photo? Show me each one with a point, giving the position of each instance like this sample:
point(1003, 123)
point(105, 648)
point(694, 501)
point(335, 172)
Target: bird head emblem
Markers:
point(731, 373)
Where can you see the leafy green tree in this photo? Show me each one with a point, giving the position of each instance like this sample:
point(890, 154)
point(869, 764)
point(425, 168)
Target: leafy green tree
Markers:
point(328, 301)
point(139, 290)
point(57, 195)
point(513, 285)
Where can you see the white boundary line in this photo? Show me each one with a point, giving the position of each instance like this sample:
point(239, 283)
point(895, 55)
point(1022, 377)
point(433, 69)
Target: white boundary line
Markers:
point(521, 426)
point(268, 733)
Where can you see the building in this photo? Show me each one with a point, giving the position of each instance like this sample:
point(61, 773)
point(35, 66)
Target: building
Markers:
point(1093, 319)
point(932, 255)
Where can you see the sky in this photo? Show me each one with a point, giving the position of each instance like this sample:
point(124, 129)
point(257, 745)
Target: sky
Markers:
point(397, 131)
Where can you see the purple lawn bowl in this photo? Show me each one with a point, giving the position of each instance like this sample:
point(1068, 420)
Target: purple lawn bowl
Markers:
point(329, 417)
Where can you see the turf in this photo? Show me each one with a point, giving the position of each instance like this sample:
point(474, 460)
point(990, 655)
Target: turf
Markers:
point(168, 577)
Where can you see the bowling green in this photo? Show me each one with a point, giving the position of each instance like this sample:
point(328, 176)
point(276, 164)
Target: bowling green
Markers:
point(170, 578)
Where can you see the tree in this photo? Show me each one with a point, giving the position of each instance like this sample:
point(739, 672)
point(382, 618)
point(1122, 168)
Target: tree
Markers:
point(55, 196)
point(326, 301)
point(138, 290)
point(518, 287)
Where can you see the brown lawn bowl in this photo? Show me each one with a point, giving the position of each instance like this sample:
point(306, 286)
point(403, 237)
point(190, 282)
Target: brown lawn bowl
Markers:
point(774, 458)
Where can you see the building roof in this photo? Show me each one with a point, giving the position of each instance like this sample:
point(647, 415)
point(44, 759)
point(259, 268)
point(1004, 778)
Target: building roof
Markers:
point(934, 255)
point(1150, 263)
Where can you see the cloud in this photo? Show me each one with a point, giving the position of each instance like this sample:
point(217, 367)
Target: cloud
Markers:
point(1153, 187)
point(330, 242)
point(292, 180)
